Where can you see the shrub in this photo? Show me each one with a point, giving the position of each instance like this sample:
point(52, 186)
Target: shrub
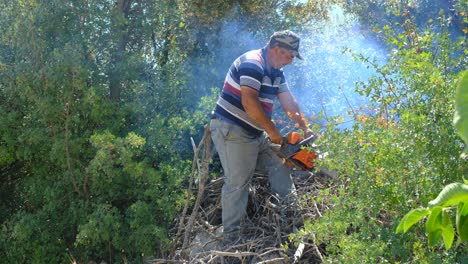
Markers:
point(401, 150)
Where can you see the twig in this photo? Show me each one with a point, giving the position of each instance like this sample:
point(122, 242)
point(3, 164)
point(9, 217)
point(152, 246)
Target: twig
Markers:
point(195, 150)
point(161, 261)
point(278, 229)
point(189, 194)
point(324, 110)
point(233, 254)
point(203, 173)
point(349, 104)
point(316, 248)
point(316, 208)
point(270, 251)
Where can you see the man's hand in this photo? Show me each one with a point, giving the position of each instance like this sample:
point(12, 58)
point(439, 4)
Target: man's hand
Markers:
point(308, 132)
point(275, 137)
point(290, 106)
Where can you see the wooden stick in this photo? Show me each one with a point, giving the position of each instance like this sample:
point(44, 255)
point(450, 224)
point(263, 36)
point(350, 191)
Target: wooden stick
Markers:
point(189, 193)
point(316, 248)
point(203, 173)
point(316, 208)
point(233, 254)
point(161, 261)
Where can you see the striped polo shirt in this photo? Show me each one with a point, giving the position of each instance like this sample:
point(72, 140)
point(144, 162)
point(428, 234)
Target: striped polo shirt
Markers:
point(250, 69)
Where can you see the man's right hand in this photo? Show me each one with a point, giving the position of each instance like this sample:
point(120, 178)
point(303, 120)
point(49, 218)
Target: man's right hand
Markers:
point(275, 137)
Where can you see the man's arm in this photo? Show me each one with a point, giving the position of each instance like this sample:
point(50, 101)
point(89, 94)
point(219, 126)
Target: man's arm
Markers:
point(292, 109)
point(254, 109)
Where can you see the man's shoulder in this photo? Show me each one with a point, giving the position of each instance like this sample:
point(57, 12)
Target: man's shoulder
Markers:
point(252, 57)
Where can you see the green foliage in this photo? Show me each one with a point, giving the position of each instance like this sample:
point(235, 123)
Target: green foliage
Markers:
point(456, 194)
point(137, 202)
point(451, 195)
point(103, 227)
point(462, 222)
point(412, 218)
point(77, 187)
point(439, 224)
point(401, 149)
point(461, 112)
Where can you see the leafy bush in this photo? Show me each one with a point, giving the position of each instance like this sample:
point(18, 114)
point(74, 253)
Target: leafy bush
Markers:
point(401, 150)
point(453, 195)
point(95, 115)
point(439, 224)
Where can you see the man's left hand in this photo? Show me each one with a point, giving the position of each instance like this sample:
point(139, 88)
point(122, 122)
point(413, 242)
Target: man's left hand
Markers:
point(308, 132)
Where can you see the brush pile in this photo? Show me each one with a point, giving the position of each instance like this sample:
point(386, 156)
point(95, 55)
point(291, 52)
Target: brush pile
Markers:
point(266, 230)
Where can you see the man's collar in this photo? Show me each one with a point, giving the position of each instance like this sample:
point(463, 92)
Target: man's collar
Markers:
point(270, 70)
point(265, 59)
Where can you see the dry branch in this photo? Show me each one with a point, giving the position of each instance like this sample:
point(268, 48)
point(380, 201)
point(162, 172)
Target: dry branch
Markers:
point(189, 191)
point(203, 176)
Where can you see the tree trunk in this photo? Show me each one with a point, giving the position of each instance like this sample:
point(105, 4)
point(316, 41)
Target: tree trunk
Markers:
point(120, 30)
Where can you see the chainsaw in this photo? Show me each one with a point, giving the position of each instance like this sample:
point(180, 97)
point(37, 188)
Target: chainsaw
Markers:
point(296, 150)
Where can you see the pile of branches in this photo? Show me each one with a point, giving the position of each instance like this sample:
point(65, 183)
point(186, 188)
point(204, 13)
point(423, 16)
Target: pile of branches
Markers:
point(266, 230)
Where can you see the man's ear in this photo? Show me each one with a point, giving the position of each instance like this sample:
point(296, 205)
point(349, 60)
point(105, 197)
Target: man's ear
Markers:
point(276, 50)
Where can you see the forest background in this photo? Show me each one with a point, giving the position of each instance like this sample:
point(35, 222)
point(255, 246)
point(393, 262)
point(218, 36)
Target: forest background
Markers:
point(99, 99)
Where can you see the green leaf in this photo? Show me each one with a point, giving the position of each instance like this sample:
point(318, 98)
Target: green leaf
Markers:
point(460, 119)
point(411, 218)
point(462, 222)
point(463, 208)
point(452, 194)
point(434, 225)
point(447, 230)
point(434, 237)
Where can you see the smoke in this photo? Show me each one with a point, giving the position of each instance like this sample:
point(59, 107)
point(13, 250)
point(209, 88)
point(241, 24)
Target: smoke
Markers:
point(325, 80)
point(234, 40)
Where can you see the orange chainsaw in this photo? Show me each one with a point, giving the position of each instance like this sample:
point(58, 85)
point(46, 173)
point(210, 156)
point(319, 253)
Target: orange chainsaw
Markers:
point(296, 150)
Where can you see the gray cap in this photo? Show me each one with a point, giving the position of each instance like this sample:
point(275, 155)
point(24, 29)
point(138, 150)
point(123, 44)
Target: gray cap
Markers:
point(286, 39)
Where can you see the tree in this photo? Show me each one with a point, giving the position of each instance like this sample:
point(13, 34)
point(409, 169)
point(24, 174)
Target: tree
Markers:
point(97, 100)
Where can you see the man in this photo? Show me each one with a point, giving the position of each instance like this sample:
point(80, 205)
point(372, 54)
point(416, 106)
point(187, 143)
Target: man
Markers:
point(241, 125)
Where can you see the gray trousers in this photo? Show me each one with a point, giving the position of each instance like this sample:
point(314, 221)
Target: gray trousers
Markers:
point(241, 154)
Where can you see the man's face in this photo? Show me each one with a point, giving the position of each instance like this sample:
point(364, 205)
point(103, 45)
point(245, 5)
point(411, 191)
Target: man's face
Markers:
point(282, 57)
